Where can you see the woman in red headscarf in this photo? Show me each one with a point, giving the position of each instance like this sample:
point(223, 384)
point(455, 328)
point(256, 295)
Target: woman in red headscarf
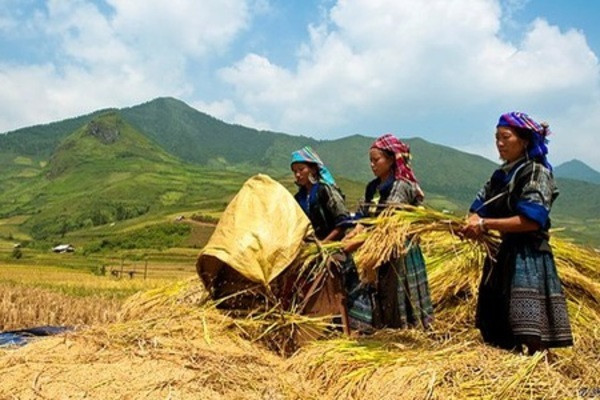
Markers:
point(520, 300)
point(400, 297)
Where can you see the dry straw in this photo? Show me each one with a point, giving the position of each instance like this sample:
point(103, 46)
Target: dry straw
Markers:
point(175, 343)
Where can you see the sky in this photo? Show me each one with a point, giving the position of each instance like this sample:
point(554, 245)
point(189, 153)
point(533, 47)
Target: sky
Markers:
point(443, 70)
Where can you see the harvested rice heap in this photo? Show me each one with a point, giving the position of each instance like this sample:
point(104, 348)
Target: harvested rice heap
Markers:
point(174, 343)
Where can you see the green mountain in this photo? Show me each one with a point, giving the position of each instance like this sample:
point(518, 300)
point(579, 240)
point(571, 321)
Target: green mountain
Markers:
point(40, 141)
point(106, 172)
point(450, 177)
point(578, 170)
point(199, 138)
point(163, 157)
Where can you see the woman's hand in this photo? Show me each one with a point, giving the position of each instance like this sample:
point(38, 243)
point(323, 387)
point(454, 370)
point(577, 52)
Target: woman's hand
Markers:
point(351, 245)
point(357, 229)
point(474, 228)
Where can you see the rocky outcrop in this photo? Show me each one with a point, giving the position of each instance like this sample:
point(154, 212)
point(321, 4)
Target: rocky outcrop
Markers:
point(106, 133)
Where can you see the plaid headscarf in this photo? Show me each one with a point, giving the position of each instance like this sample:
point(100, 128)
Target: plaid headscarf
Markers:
point(537, 149)
point(308, 155)
point(401, 152)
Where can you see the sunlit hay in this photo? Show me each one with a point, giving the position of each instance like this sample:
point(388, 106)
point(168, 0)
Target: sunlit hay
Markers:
point(385, 241)
point(583, 259)
point(378, 367)
point(175, 344)
point(23, 307)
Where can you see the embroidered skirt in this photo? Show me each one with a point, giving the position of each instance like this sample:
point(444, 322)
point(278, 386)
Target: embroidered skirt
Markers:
point(521, 298)
point(400, 298)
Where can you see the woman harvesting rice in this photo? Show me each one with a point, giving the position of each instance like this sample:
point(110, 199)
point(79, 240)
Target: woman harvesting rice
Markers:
point(401, 297)
point(520, 296)
point(324, 205)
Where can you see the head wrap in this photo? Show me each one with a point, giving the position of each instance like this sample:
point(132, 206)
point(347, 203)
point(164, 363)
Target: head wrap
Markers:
point(537, 149)
point(308, 155)
point(401, 152)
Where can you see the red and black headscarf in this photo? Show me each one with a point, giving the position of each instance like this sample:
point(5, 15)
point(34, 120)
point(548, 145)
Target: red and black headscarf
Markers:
point(401, 151)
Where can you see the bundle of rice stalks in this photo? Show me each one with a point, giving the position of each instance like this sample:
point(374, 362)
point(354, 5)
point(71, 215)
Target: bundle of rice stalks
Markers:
point(391, 235)
point(394, 231)
point(410, 365)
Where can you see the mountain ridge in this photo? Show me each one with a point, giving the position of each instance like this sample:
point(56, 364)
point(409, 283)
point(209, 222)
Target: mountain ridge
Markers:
point(577, 169)
point(172, 150)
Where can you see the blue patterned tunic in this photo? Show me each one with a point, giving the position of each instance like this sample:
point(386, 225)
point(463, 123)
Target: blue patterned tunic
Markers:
point(520, 295)
point(324, 205)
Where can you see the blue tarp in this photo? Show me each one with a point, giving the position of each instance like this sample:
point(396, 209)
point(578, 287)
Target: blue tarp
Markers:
point(24, 336)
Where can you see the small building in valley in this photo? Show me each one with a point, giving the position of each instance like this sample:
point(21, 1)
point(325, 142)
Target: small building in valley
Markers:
point(63, 248)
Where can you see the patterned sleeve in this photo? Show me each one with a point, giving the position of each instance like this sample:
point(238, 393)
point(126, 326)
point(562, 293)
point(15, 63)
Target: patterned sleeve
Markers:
point(402, 193)
point(336, 206)
point(537, 194)
point(477, 205)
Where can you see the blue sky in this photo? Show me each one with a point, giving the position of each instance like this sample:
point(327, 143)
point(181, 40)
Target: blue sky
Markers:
point(443, 70)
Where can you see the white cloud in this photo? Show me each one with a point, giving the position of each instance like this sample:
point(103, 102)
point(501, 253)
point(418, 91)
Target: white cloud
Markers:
point(191, 28)
point(137, 52)
point(388, 64)
point(440, 69)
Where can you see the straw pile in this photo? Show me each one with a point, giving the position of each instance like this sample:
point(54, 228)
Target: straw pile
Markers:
point(167, 343)
point(174, 343)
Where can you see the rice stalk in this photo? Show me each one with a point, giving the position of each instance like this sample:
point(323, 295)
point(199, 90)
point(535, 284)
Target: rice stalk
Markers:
point(393, 232)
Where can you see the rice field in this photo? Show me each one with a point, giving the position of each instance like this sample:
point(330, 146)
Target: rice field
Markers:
point(25, 307)
point(34, 295)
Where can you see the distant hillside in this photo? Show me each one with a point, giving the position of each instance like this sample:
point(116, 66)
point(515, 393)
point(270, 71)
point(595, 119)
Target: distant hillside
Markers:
point(106, 172)
point(578, 170)
point(169, 157)
point(40, 141)
point(198, 138)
